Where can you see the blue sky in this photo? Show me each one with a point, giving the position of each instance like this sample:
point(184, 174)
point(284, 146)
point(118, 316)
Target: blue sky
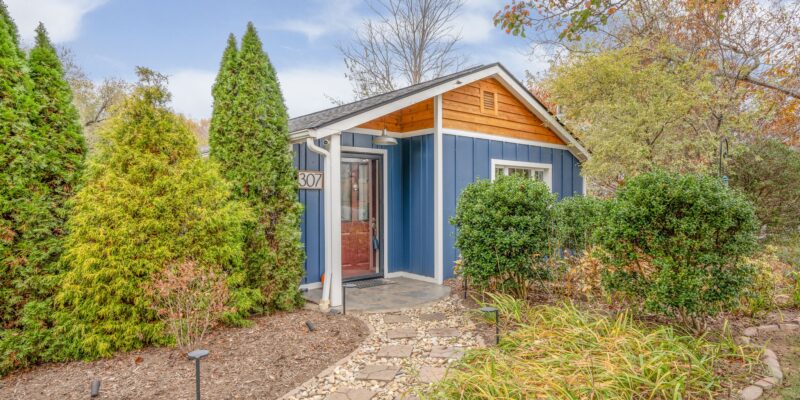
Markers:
point(185, 39)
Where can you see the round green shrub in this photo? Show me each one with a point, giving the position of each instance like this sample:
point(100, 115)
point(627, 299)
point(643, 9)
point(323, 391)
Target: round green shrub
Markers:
point(502, 232)
point(678, 243)
point(576, 220)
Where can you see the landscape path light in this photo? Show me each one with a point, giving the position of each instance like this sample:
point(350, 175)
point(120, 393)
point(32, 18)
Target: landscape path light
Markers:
point(197, 355)
point(496, 322)
point(344, 296)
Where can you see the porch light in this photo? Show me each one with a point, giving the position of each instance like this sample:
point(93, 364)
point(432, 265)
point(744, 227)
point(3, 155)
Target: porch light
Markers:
point(384, 139)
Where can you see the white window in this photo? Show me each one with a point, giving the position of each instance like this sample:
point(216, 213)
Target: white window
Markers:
point(540, 172)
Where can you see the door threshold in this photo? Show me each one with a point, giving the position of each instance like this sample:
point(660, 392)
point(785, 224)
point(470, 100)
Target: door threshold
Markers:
point(362, 277)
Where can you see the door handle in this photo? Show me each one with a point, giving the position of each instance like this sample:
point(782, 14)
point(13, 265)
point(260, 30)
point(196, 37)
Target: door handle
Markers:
point(376, 243)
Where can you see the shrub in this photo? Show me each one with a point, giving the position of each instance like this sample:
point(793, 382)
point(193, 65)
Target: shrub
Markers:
point(677, 243)
point(576, 219)
point(772, 283)
point(565, 353)
point(148, 200)
point(503, 231)
point(768, 172)
point(189, 299)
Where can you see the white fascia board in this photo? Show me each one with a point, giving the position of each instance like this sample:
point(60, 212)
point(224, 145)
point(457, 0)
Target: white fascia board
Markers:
point(399, 104)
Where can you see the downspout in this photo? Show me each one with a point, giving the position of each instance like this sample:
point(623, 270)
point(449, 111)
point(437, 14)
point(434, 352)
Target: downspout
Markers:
point(324, 302)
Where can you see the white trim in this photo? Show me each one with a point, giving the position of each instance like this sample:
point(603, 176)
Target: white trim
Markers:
point(496, 138)
point(399, 104)
point(404, 274)
point(496, 71)
point(324, 302)
point(548, 168)
point(335, 211)
point(398, 135)
point(311, 286)
point(438, 230)
point(385, 166)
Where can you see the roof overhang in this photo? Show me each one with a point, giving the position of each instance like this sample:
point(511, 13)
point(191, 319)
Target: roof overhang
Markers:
point(496, 71)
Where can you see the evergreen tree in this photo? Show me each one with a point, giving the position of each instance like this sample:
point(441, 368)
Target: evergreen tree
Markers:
point(41, 154)
point(149, 201)
point(249, 137)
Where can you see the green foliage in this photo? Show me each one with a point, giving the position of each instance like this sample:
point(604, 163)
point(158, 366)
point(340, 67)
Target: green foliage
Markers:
point(576, 219)
point(41, 154)
point(677, 243)
point(768, 172)
point(561, 352)
point(637, 110)
point(249, 138)
point(503, 232)
point(148, 201)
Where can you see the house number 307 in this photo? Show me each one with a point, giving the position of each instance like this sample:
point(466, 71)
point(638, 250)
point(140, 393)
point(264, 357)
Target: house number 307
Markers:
point(310, 179)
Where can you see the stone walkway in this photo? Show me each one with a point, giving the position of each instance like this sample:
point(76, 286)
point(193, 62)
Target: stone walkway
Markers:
point(406, 351)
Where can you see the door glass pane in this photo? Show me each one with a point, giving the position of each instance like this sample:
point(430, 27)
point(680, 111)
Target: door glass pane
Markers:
point(363, 192)
point(347, 188)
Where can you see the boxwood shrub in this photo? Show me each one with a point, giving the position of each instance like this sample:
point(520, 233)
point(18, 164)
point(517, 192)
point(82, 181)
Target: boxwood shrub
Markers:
point(677, 243)
point(576, 220)
point(502, 232)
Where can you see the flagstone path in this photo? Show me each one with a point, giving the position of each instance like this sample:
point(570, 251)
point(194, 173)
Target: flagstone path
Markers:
point(405, 351)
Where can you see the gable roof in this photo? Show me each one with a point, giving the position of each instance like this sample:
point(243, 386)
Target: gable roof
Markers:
point(331, 120)
point(334, 114)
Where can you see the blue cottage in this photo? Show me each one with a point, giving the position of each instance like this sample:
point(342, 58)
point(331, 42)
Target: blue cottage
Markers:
point(380, 177)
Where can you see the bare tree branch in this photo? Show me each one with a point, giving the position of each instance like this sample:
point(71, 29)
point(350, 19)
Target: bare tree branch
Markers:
point(408, 42)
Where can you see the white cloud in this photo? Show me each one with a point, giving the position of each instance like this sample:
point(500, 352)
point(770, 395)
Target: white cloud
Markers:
point(304, 89)
point(332, 16)
point(191, 92)
point(475, 22)
point(62, 18)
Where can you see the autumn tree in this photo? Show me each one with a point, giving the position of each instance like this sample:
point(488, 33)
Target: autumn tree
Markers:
point(95, 101)
point(249, 138)
point(405, 43)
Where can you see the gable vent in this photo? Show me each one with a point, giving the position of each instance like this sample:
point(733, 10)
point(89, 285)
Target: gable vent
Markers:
point(489, 101)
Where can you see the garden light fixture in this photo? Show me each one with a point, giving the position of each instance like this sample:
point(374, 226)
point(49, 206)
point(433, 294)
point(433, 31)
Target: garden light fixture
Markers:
point(496, 322)
point(197, 355)
point(344, 296)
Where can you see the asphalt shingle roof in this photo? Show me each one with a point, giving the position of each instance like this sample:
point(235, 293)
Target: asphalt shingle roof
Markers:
point(331, 115)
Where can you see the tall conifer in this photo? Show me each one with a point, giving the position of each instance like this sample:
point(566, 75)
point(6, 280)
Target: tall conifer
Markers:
point(36, 178)
point(250, 139)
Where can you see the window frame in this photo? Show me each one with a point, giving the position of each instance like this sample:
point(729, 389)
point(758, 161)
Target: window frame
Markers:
point(505, 164)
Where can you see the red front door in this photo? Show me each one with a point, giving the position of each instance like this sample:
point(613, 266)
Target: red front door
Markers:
point(359, 217)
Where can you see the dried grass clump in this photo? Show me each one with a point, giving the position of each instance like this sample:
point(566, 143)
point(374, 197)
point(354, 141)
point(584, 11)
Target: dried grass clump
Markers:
point(562, 352)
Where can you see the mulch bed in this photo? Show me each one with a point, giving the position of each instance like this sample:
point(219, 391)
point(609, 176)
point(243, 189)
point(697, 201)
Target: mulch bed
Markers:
point(264, 361)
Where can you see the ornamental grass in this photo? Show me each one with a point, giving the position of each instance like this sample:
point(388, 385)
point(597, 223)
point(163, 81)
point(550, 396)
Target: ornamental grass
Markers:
point(565, 353)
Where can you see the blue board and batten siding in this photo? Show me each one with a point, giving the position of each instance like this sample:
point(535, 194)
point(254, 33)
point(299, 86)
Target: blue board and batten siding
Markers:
point(410, 171)
point(466, 159)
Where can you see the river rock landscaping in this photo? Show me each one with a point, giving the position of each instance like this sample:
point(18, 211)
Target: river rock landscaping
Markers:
point(406, 351)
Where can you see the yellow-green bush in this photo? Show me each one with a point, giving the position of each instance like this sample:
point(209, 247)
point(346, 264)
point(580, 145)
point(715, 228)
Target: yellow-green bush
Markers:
point(149, 201)
point(565, 353)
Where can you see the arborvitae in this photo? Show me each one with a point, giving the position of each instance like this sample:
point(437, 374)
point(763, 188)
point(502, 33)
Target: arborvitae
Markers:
point(149, 201)
point(41, 154)
point(250, 138)
point(10, 27)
